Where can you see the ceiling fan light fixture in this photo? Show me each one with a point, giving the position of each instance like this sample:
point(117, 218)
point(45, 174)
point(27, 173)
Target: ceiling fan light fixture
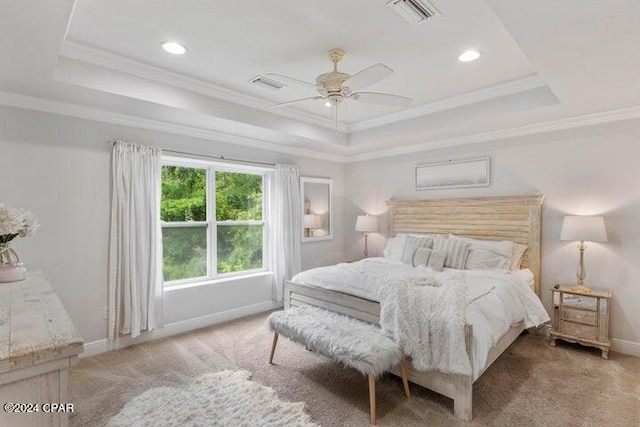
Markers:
point(469, 55)
point(173, 47)
point(334, 87)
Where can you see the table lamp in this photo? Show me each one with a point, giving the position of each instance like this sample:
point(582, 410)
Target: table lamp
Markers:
point(583, 229)
point(311, 222)
point(367, 224)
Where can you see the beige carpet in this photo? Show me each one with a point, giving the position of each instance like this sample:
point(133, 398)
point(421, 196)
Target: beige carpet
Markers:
point(531, 384)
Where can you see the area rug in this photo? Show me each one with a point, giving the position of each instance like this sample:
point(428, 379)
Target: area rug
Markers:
point(226, 398)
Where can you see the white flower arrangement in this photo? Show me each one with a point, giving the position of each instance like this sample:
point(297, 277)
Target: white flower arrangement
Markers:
point(16, 222)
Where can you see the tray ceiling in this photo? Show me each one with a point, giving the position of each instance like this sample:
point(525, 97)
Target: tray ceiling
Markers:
point(537, 70)
point(231, 42)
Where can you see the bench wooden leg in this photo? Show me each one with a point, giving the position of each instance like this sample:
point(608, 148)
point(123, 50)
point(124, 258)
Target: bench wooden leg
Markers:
point(273, 347)
point(405, 381)
point(372, 398)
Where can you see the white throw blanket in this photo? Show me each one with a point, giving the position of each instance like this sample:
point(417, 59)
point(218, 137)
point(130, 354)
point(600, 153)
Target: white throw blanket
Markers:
point(426, 316)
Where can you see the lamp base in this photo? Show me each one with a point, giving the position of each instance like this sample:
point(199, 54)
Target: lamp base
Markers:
point(366, 249)
point(581, 288)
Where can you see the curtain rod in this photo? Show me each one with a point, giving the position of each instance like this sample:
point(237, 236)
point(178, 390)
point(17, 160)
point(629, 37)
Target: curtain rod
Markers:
point(223, 158)
point(226, 159)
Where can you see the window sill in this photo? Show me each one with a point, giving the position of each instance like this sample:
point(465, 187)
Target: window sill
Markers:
point(207, 282)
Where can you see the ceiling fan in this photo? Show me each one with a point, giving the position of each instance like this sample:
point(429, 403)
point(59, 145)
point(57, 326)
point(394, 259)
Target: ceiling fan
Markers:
point(335, 87)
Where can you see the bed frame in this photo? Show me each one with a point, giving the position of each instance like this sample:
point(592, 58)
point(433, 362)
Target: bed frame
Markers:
point(515, 218)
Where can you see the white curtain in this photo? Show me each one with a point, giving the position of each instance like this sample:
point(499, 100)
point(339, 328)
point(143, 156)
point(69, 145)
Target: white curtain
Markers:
point(285, 211)
point(135, 253)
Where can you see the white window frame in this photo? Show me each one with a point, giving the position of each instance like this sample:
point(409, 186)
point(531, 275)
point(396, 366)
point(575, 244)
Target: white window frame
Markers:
point(211, 167)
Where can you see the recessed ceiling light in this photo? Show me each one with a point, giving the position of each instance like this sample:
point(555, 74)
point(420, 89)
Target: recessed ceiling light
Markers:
point(469, 55)
point(174, 48)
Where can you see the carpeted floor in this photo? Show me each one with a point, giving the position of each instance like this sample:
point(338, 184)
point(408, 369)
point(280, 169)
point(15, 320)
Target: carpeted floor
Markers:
point(531, 384)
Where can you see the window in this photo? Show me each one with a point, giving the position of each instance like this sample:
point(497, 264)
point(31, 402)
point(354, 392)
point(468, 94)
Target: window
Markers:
point(212, 221)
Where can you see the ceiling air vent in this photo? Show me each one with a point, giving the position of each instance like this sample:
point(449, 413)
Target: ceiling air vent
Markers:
point(414, 11)
point(267, 83)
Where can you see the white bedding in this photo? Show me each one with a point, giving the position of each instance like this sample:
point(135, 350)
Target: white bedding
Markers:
point(495, 299)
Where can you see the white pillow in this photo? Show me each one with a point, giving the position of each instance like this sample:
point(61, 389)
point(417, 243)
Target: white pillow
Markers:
point(457, 251)
point(409, 251)
point(436, 260)
point(518, 252)
point(423, 240)
point(488, 254)
point(421, 256)
point(403, 246)
point(394, 249)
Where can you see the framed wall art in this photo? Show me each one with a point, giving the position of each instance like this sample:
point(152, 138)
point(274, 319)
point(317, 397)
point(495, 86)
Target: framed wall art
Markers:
point(453, 174)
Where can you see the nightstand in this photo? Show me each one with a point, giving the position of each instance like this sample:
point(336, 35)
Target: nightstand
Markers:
point(582, 318)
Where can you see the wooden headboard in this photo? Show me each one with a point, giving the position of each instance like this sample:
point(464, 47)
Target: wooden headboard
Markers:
point(514, 218)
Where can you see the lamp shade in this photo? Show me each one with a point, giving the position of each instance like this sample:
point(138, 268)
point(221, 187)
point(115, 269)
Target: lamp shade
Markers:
point(312, 221)
point(583, 228)
point(366, 223)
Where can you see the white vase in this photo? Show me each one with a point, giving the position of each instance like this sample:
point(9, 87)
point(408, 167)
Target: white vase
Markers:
point(11, 269)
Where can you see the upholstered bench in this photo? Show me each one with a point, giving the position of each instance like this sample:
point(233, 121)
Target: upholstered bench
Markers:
point(348, 341)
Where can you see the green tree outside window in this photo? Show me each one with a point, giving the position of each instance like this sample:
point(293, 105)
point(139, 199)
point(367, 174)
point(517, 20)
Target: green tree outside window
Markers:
point(238, 222)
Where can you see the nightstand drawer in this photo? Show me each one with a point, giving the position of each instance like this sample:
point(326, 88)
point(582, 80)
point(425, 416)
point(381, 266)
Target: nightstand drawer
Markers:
point(577, 330)
point(580, 316)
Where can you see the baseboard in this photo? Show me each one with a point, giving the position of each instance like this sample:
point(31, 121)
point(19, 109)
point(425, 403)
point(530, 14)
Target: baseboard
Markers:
point(96, 347)
point(626, 347)
point(215, 318)
point(100, 346)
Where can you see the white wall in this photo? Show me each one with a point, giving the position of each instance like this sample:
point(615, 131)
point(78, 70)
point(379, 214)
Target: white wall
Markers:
point(592, 170)
point(59, 168)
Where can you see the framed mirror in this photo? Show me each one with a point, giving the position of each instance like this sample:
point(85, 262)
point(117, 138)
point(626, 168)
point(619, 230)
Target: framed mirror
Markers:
point(317, 219)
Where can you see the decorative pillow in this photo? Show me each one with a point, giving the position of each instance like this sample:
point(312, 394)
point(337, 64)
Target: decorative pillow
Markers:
point(421, 256)
point(408, 252)
point(518, 252)
point(457, 251)
point(436, 260)
point(413, 242)
point(402, 246)
point(394, 249)
point(422, 240)
point(488, 254)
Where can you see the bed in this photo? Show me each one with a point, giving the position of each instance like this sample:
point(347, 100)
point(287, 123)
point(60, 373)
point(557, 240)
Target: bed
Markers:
point(514, 218)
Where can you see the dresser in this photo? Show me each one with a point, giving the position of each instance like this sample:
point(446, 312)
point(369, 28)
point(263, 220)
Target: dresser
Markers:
point(582, 317)
point(38, 344)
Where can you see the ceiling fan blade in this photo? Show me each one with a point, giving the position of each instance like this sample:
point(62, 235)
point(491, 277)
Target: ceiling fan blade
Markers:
point(295, 101)
point(368, 76)
point(381, 99)
point(292, 80)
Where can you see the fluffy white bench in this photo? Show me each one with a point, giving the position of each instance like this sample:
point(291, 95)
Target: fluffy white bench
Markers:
point(346, 340)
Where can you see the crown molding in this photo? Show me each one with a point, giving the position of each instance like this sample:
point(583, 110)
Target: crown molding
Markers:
point(83, 53)
point(101, 58)
point(74, 110)
point(485, 94)
point(585, 120)
point(89, 113)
